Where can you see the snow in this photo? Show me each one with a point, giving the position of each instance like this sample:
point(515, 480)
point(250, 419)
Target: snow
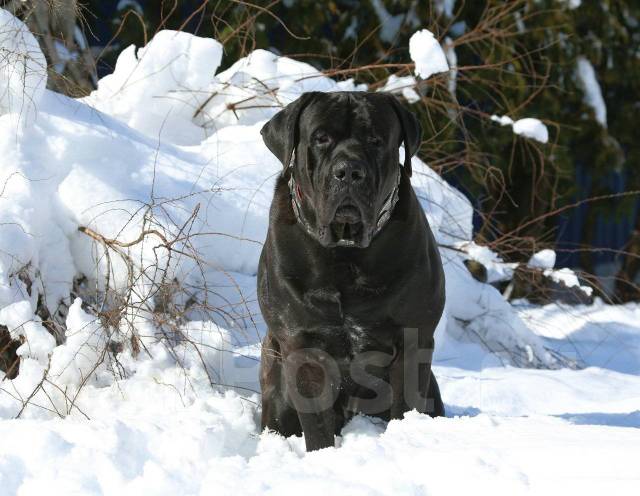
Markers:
point(544, 259)
point(38, 343)
point(452, 60)
point(569, 278)
point(511, 431)
point(23, 70)
point(572, 4)
point(445, 7)
point(528, 127)
point(531, 128)
point(497, 269)
point(390, 24)
point(503, 120)
point(129, 4)
point(402, 85)
point(588, 82)
point(173, 60)
point(413, 456)
point(427, 54)
point(178, 413)
point(80, 356)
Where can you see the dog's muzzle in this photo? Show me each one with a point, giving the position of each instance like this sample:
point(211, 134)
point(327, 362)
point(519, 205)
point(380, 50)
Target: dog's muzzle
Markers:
point(346, 228)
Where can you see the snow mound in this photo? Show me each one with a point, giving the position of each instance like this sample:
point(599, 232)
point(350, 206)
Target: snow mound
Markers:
point(169, 90)
point(156, 89)
point(23, 70)
point(256, 87)
point(427, 54)
point(138, 203)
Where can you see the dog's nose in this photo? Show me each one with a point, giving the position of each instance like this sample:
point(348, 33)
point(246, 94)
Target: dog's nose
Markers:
point(349, 171)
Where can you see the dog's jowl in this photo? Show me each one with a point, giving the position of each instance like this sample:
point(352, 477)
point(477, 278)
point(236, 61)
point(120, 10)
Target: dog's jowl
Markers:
point(350, 280)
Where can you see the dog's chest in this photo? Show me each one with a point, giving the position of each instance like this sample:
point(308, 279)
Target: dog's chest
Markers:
point(351, 310)
point(349, 295)
point(356, 284)
point(363, 337)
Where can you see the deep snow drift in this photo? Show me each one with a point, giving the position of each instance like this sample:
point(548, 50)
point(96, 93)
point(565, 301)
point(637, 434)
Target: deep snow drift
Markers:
point(149, 200)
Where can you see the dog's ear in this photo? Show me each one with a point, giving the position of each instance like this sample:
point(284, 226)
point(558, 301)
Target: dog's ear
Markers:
point(280, 133)
point(411, 131)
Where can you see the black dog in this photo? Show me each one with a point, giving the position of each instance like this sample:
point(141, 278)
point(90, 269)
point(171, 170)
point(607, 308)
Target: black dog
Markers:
point(350, 280)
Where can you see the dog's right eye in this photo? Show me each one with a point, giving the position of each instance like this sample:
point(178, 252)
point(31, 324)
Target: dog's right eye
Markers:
point(321, 139)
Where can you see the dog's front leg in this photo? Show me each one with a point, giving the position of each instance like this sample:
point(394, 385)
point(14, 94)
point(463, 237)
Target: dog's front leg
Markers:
point(313, 382)
point(412, 381)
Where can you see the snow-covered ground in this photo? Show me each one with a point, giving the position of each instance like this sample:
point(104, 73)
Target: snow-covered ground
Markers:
point(159, 393)
point(509, 430)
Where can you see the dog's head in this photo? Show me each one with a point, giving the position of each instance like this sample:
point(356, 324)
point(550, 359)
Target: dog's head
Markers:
point(342, 150)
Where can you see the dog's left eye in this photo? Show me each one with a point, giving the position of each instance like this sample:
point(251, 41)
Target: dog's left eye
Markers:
point(374, 141)
point(321, 139)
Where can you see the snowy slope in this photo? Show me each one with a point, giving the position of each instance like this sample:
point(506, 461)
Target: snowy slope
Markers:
point(166, 159)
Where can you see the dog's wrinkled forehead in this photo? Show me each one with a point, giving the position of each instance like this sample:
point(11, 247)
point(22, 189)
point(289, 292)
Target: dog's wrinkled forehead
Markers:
point(346, 115)
point(346, 112)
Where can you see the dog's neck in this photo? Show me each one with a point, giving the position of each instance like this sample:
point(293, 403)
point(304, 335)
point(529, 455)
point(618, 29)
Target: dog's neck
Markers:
point(295, 193)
